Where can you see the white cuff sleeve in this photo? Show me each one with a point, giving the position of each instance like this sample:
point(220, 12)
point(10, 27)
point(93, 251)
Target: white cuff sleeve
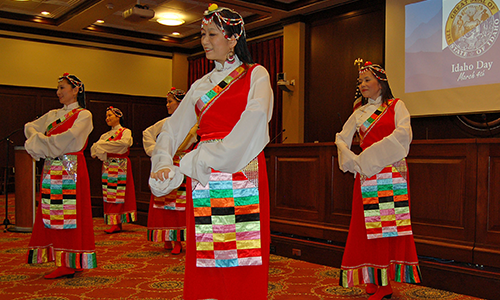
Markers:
point(161, 188)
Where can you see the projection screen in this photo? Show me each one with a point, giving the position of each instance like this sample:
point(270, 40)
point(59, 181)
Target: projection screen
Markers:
point(443, 56)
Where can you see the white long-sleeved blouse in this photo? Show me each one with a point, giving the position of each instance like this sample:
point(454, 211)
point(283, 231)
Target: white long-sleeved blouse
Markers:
point(389, 150)
point(102, 147)
point(149, 136)
point(246, 140)
point(38, 145)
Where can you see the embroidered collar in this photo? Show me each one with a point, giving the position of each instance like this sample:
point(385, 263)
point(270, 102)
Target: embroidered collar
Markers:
point(116, 127)
point(227, 65)
point(71, 106)
point(377, 101)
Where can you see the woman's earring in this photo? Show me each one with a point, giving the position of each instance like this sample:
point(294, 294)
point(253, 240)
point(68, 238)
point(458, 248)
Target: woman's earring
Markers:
point(230, 56)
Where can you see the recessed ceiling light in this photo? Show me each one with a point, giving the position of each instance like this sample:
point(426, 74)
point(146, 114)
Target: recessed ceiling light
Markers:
point(99, 21)
point(170, 19)
point(45, 13)
point(175, 33)
point(170, 22)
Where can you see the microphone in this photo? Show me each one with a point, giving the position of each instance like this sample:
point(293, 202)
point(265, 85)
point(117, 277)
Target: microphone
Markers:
point(486, 122)
point(10, 134)
point(277, 136)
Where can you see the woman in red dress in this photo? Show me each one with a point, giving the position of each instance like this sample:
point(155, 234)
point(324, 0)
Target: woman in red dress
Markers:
point(227, 209)
point(117, 181)
point(167, 214)
point(380, 245)
point(63, 231)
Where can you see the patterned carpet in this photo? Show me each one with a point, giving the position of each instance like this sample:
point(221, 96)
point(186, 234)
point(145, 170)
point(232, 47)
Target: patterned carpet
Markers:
point(129, 267)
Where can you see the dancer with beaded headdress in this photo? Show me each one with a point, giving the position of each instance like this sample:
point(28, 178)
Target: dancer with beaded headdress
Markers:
point(227, 209)
point(63, 231)
point(167, 214)
point(117, 181)
point(380, 245)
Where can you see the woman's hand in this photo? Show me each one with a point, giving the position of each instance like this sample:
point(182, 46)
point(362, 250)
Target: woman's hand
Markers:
point(161, 175)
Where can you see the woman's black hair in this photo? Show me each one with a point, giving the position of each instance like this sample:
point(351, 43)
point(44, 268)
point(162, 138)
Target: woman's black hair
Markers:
point(81, 90)
point(122, 117)
point(386, 91)
point(241, 48)
point(122, 121)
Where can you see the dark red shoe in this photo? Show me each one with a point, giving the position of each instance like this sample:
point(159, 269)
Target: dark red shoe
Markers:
point(61, 272)
point(168, 245)
point(383, 292)
point(177, 248)
point(114, 229)
point(371, 288)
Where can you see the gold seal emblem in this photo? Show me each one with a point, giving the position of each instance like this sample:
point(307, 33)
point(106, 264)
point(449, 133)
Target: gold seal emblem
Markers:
point(472, 27)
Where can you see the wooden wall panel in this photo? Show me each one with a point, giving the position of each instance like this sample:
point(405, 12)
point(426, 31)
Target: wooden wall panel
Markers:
point(443, 195)
point(335, 39)
point(145, 115)
point(443, 188)
point(297, 180)
point(48, 101)
point(343, 185)
point(488, 205)
point(19, 105)
point(13, 108)
point(440, 196)
point(301, 193)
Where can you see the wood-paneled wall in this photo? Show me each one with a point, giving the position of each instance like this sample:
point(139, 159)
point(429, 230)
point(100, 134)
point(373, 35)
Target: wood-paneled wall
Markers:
point(19, 105)
point(454, 191)
point(335, 38)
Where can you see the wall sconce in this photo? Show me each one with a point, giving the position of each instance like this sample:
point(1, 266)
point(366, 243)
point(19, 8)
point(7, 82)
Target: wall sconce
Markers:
point(285, 85)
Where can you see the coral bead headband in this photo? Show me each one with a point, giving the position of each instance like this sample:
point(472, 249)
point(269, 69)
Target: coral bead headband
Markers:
point(75, 81)
point(376, 70)
point(214, 10)
point(116, 111)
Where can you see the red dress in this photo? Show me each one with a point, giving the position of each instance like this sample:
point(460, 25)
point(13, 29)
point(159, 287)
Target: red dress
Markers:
point(119, 197)
point(377, 260)
point(208, 274)
point(75, 247)
point(126, 212)
point(167, 215)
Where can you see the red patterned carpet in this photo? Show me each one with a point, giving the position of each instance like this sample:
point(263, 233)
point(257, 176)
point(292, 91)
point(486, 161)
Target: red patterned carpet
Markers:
point(129, 267)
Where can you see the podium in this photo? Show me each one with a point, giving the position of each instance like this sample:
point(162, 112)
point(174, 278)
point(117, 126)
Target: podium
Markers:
point(25, 191)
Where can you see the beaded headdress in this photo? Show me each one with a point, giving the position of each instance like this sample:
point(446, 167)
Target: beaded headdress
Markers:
point(115, 110)
point(75, 81)
point(215, 11)
point(177, 93)
point(376, 70)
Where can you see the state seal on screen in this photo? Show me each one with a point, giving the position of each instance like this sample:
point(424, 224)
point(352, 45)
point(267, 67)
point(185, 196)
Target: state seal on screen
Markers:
point(472, 27)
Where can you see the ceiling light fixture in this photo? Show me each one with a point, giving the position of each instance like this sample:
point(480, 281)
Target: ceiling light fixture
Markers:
point(170, 20)
point(45, 13)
